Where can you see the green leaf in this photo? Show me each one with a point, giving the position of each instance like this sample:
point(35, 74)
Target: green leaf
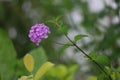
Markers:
point(102, 77)
point(58, 17)
point(63, 29)
point(108, 70)
point(78, 37)
point(51, 21)
point(51, 78)
point(72, 69)
point(21, 68)
point(62, 49)
point(113, 75)
point(61, 71)
point(8, 58)
point(103, 60)
point(92, 78)
point(39, 57)
point(69, 78)
point(93, 55)
point(30, 77)
point(51, 72)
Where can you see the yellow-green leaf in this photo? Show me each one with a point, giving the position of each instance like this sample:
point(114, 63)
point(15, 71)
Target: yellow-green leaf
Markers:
point(113, 75)
point(30, 77)
point(29, 62)
point(23, 78)
point(92, 78)
point(61, 71)
point(43, 69)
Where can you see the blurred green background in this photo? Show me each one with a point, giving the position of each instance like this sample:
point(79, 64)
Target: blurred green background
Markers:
point(99, 19)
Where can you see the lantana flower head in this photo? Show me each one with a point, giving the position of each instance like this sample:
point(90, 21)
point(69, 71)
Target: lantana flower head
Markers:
point(38, 32)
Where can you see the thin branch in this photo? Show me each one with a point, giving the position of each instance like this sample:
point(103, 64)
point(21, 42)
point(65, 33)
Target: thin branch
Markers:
point(88, 57)
point(62, 43)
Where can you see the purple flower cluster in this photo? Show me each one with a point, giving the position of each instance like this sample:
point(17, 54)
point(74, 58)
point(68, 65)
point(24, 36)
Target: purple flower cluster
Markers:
point(37, 32)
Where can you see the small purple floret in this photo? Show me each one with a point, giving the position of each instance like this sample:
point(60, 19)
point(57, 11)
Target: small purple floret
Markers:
point(37, 32)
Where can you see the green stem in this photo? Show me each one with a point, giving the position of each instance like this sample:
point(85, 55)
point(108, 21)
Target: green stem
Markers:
point(89, 57)
point(61, 43)
point(74, 44)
